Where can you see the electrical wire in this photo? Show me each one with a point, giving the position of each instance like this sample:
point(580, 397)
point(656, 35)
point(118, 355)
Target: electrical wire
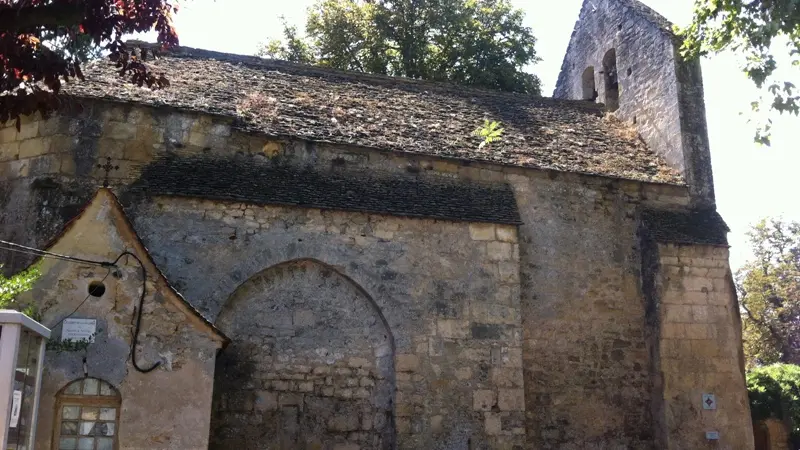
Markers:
point(139, 316)
point(11, 246)
point(19, 248)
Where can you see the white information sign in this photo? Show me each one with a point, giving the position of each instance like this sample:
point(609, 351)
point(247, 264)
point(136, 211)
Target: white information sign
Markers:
point(79, 329)
point(16, 405)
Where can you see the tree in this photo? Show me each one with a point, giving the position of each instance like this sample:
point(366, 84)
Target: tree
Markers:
point(11, 287)
point(769, 294)
point(774, 393)
point(43, 42)
point(479, 43)
point(750, 28)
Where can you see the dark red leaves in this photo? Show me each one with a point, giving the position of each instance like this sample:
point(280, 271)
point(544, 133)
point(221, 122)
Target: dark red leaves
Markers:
point(31, 74)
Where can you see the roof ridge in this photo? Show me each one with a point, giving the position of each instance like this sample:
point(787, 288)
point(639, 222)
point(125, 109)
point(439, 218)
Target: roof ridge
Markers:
point(320, 71)
point(139, 247)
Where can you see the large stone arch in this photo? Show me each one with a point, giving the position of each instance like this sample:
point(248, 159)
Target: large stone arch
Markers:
point(310, 365)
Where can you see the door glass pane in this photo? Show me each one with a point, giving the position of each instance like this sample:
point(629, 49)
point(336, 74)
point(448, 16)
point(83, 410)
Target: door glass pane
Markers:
point(67, 444)
point(90, 386)
point(105, 389)
point(73, 389)
point(105, 429)
point(105, 444)
point(90, 413)
point(108, 413)
point(86, 444)
point(70, 412)
point(87, 428)
point(69, 428)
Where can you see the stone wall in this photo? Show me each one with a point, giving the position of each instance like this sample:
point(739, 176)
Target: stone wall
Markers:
point(659, 93)
point(488, 320)
point(441, 297)
point(700, 349)
point(168, 408)
point(312, 362)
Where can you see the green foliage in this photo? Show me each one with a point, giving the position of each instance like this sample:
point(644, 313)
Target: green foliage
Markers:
point(11, 287)
point(750, 28)
point(769, 294)
point(68, 345)
point(774, 392)
point(490, 132)
point(479, 43)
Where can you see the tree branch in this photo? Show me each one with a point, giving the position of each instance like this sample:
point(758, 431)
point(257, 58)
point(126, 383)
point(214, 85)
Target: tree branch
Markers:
point(51, 15)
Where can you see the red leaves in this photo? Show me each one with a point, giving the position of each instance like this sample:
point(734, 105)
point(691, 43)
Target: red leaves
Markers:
point(31, 73)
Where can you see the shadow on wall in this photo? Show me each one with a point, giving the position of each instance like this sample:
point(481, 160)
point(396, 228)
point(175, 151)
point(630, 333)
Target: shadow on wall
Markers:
point(311, 362)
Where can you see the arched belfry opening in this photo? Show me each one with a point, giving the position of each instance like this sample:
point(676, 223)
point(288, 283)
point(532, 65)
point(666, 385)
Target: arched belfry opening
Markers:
point(587, 82)
point(310, 364)
point(611, 84)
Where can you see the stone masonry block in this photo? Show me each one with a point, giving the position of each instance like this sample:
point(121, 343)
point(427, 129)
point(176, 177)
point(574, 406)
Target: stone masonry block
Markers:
point(500, 251)
point(483, 400)
point(673, 331)
point(407, 363)
point(493, 424)
point(482, 231)
point(697, 284)
point(507, 357)
point(705, 348)
point(33, 147)
point(493, 313)
point(9, 151)
point(509, 272)
point(511, 399)
point(453, 329)
point(265, 401)
point(700, 313)
point(678, 313)
point(506, 377)
point(697, 331)
point(506, 233)
point(120, 130)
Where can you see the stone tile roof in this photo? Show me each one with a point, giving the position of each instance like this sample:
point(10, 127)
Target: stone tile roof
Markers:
point(251, 179)
point(282, 99)
point(704, 226)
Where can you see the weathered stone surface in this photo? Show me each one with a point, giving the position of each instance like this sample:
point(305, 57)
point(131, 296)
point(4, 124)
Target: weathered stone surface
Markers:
point(699, 347)
point(175, 398)
point(554, 309)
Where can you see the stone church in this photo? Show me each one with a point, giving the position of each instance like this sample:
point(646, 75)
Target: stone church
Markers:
point(330, 260)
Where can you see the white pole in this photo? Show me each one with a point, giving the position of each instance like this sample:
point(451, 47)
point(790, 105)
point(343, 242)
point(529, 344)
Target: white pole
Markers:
point(9, 345)
point(37, 392)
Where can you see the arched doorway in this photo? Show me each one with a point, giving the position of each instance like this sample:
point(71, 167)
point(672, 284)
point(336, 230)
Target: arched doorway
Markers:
point(310, 364)
point(589, 92)
point(611, 84)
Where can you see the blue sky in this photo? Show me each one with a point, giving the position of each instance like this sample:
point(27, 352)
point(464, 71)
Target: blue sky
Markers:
point(751, 181)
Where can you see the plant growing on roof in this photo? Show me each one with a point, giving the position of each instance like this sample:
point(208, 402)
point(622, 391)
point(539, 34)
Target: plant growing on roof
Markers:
point(490, 132)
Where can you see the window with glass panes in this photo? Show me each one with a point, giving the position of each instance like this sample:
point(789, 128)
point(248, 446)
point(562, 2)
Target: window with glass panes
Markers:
point(88, 414)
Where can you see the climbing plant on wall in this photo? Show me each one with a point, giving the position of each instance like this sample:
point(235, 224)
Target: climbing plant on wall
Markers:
point(11, 287)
